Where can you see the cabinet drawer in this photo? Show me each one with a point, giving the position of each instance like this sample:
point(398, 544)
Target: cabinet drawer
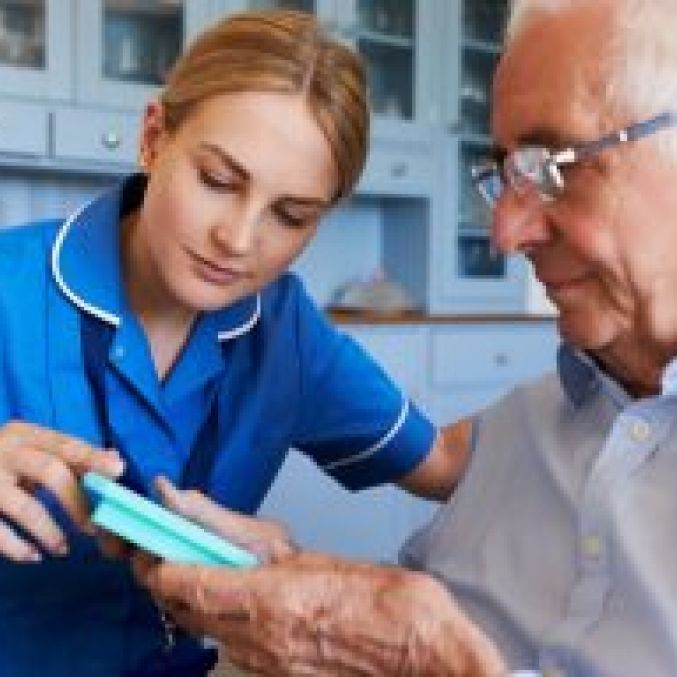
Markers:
point(491, 353)
point(401, 351)
point(398, 172)
point(96, 135)
point(23, 128)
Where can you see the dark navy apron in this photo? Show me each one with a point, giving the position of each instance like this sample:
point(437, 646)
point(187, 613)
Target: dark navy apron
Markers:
point(180, 655)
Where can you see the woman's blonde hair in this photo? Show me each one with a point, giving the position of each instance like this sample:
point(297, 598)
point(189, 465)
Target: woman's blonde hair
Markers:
point(279, 51)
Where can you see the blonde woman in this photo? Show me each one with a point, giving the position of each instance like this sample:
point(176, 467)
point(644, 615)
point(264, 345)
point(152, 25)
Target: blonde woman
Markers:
point(160, 321)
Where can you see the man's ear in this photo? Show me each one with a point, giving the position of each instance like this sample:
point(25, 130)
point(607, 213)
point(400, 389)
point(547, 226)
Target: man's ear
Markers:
point(152, 133)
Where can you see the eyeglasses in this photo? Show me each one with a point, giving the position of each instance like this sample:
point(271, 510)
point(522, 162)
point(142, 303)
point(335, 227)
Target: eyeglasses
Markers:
point(539, 168)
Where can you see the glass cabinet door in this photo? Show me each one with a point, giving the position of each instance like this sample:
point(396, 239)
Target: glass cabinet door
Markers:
point(474, 270)
point(302, 5)
point(482, 26)
point(133, 44)
point(141, 41)
point(384, 32)
point(33, 61)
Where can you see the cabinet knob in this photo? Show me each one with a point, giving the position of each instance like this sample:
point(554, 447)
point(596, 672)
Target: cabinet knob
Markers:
point(398, 170)
point(501, 359)
point(111, 140)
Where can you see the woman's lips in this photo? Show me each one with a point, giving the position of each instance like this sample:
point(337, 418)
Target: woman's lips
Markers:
point(214, 273)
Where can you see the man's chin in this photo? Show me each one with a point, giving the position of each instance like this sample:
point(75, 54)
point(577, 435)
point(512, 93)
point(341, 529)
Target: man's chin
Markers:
point(581, 330)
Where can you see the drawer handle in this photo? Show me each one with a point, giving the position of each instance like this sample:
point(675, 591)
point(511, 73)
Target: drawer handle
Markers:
point(501, 360)
point(111, 140)
point(398, 170)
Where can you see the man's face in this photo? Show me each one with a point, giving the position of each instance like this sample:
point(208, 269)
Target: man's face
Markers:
point(605, 248)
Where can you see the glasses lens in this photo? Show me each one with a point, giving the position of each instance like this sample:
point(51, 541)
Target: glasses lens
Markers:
point(532, 167)
point(487, 178)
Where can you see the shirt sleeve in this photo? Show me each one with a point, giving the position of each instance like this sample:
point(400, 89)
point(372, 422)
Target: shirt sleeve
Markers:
point(354, 421)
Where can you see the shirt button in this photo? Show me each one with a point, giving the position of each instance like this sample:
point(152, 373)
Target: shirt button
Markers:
point(591, 546)
point(640, 431)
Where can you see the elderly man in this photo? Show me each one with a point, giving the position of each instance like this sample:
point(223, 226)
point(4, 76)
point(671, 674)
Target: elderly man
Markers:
point(559, 543)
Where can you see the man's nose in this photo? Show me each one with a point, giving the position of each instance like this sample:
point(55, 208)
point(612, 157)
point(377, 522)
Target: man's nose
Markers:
point(518, 222)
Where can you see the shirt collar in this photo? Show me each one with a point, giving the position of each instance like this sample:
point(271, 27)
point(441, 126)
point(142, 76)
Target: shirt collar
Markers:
point(86, 263)
point(578, 374)
point(581, 377)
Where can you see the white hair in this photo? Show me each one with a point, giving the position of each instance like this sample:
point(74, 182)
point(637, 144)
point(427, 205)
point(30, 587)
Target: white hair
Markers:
point(642, 55)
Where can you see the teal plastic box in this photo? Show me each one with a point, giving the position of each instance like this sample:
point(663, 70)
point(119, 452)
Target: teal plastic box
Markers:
point(157, 530)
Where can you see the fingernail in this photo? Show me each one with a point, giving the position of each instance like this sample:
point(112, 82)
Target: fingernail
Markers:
point(164, 486)
point(31, 555)
point(60, 549)
point(119, 467)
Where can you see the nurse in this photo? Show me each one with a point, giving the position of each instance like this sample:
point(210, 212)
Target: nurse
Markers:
point(160, 321)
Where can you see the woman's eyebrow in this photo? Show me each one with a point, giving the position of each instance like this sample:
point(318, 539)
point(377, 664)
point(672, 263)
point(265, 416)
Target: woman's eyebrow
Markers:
point(317, 202)
point(227, 160)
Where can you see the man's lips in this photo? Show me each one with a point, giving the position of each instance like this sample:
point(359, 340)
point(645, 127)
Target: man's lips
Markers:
point(563, 283)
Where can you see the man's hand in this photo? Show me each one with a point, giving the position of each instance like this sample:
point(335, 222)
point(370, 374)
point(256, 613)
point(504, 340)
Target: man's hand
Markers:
point(308, 614)
point(33, 457)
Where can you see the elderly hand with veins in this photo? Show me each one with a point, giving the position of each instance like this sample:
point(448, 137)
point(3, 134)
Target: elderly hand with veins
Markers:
point(311, 614)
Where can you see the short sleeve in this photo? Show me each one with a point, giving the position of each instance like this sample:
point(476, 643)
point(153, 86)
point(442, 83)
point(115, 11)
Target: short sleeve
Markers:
point(354, 421)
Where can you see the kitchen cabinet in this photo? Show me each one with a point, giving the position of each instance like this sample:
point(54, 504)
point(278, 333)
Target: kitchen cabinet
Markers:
point(130, 45)
point(470, 273)
point(396, 38)
point(429, 64)
point(23, 129)
point(36, 38)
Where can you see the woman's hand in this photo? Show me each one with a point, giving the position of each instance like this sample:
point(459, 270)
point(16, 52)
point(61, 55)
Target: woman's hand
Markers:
point(34, 457)
point(266, 539)
point(309, 614)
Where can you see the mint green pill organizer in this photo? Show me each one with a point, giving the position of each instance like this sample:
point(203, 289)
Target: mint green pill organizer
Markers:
point(157, 530)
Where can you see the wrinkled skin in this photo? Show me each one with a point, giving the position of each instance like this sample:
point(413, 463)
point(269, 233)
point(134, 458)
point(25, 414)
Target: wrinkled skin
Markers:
point(33, 457)
point(311, 614)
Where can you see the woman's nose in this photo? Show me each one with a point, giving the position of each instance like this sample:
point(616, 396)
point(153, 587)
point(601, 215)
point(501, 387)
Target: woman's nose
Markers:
point(236, 231)
point(518, 221)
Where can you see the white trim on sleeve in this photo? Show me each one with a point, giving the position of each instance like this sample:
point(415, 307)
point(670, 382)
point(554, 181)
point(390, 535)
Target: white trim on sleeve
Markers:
point(374, 448)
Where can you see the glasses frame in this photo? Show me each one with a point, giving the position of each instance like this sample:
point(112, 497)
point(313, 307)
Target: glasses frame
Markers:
point(540, 167)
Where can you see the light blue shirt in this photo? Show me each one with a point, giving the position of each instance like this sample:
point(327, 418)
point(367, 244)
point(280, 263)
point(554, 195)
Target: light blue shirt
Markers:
point(561, 540)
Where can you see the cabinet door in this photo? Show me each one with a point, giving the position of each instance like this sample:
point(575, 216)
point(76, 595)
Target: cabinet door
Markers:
point(471, 274)
point(395, 38)
point(131, 45)
point(398, 40)
point(468, 273)
point(471, 365)
point(35, 55)
point(313, 6)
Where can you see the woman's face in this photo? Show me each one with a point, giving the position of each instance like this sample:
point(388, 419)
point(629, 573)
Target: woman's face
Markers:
point(233, 197)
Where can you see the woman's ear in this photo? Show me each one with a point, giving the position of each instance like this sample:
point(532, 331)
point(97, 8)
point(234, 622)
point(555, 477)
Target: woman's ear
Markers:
point(152, 133)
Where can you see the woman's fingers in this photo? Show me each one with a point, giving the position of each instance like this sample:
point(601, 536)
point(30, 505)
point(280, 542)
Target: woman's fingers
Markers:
point(15, 548)
point(75, 453)
point(26, 512)
point(266, 539)
point(32, 456)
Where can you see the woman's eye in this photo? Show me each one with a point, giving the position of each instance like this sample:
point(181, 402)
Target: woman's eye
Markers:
point(290, 220)
point(216, 181)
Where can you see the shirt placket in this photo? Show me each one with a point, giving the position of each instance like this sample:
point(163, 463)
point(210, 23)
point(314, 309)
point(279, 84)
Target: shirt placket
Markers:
point(637, 430)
